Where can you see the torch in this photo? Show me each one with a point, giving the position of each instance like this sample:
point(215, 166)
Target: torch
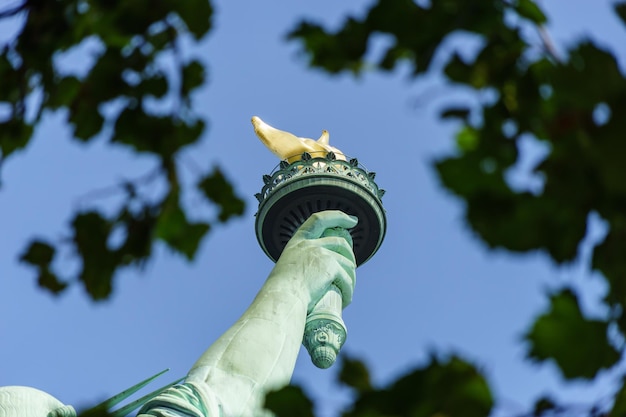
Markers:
point(314, 177)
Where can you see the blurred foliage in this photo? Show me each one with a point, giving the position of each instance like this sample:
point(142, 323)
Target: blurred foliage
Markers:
point(289, 401)
point(579, 346)
point(450, 387)
point(115, 100)
point(518, 87)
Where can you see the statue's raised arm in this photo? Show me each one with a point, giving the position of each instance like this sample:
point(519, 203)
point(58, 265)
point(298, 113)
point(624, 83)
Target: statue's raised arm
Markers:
point(258, 353)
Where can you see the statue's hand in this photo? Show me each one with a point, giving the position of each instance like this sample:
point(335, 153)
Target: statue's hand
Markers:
point(312, 261)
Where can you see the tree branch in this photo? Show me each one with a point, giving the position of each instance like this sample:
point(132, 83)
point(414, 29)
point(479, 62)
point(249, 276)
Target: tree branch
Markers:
point(548, 45)
point(111, 190)
point(546, 40)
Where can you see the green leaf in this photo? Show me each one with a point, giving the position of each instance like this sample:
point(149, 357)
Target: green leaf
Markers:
point(50, 282)
point(620, 9)
point(12, 87)
point(473, 174)
point(132, 18)
point(543, 405)
point(588, 61)
point(608, 258)
point(99, 263)
point(394, 54)
point(45, 30)
point(196, 14)
point(337, 52)
point(14, 135)
point(139, 228)
point(162, 39)
point(451, 388)
point(155, 86)
point(161, 135)
point(467, 138)
point(458, 70)
point(524, 222)
point(354, 374)
point(87, 121)
point(64, 92)
point(530, 10)
point(579, 346)
point(104, 82)
point(40, 255)
point(218, 189)
point(290, 401)
point(193, 76)
point(176, 231)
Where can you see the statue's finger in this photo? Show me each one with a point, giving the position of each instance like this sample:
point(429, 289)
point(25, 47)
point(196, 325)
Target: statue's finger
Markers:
point(346, 279)
point(317, 223)
point(338, 245)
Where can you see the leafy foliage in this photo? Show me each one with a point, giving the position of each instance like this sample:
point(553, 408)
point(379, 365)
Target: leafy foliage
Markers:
point(289, 401)
point(451, 388)
point(355, 375)
point(571, 104)
point(40, 255)
point(578, 345)
point(175, 230)
point(127, 74)
point(216, 188)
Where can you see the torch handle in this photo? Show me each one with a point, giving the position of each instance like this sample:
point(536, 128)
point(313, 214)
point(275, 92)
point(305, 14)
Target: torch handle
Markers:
point(324, 330)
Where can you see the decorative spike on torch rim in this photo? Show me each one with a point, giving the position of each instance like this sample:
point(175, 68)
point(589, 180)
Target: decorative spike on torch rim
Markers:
point(311, 177)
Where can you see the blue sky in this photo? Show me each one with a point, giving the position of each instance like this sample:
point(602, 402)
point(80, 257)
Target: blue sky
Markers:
point(432, 286)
